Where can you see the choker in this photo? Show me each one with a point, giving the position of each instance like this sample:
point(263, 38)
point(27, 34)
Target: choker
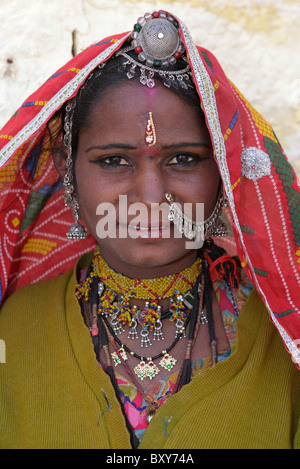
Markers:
point(145, 289)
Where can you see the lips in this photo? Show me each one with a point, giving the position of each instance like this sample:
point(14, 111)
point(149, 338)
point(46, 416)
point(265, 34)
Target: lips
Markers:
point(147, 228)
point(150, 231)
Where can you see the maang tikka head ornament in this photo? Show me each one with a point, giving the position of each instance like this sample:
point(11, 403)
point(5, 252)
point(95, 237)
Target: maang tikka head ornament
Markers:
point(157, 44)
point(150, 133)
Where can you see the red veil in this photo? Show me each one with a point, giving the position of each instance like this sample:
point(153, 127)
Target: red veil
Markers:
point(260, 184)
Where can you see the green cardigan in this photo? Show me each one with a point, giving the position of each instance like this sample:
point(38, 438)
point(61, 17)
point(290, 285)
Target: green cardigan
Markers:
point(54, 395)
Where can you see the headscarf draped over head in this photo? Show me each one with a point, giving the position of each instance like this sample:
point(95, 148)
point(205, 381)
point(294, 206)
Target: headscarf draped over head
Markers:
point(258, 181)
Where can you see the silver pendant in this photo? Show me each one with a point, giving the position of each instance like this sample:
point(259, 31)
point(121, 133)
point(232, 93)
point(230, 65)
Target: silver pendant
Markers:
point(118, 329)
point(158, 335)
point(180, 329)
point(145, 341)
point(132, 334)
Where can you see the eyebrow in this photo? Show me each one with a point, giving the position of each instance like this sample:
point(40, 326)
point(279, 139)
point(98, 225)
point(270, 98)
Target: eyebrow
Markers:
point(185, 144)
point(111, 146)
point(125, 146)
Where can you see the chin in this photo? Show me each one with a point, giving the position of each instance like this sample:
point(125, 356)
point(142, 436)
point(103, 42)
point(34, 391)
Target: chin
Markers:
point(157, 263)
point(149, 259)
point(145, 258)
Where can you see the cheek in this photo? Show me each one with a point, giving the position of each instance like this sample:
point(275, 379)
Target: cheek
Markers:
point(93, 189)
point(88, 189)
point(212, 180)
point(204, 188)
point(205, 181)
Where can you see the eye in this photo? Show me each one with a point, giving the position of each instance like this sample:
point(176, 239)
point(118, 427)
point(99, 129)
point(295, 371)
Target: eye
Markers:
point(182, 159)
point(111, 161)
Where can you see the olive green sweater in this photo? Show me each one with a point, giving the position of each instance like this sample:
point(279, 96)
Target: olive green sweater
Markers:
point(54, 395)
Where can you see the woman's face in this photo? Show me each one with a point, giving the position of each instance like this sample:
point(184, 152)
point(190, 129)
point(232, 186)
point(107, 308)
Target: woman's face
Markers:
point(114, 159)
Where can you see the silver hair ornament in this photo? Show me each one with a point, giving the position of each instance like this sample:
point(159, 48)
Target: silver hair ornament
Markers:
point(147, 74)
point(157, 44)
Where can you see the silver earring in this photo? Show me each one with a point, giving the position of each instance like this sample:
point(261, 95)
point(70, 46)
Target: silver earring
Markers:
point(212, 226)
point(76, 230)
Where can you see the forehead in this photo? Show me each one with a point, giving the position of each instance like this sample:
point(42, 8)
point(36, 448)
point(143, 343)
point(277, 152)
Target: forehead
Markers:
point(123, 112)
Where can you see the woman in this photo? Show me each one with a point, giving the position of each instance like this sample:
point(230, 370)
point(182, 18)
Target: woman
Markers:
point(161, 336)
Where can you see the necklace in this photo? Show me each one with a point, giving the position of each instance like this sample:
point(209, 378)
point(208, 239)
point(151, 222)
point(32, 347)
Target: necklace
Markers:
point(118, 293)
point(102, 331)
point(146, 367)
point(144, 289)
point(110, 294)
point(91, 293)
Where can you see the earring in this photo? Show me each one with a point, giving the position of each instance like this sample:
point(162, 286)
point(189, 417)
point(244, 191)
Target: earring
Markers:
point(76, 230)
point(212, 226)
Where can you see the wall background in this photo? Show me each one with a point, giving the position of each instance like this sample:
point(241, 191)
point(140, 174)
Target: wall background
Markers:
point(256, 41)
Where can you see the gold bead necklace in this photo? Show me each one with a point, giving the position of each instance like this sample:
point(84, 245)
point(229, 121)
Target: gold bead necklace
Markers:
point(146, 289)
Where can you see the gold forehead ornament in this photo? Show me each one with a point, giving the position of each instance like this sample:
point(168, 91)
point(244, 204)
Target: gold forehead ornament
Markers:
point(150, 134)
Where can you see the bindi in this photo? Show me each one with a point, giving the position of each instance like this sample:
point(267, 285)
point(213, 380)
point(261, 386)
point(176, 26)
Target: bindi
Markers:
point(150, 134)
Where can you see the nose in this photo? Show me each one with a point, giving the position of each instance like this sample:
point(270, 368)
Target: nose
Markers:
point(149, 186)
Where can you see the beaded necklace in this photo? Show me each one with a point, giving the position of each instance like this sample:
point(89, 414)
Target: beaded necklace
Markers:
point(110, 294)
point(146, 289)
point(116, 293)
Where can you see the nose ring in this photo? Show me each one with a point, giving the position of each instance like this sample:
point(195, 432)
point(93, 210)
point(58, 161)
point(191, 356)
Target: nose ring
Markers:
point(184, 224)
point(212, 226)
point(169, 197)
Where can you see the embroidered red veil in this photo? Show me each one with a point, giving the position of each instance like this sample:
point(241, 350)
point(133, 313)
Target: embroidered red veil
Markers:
point(260, 184)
